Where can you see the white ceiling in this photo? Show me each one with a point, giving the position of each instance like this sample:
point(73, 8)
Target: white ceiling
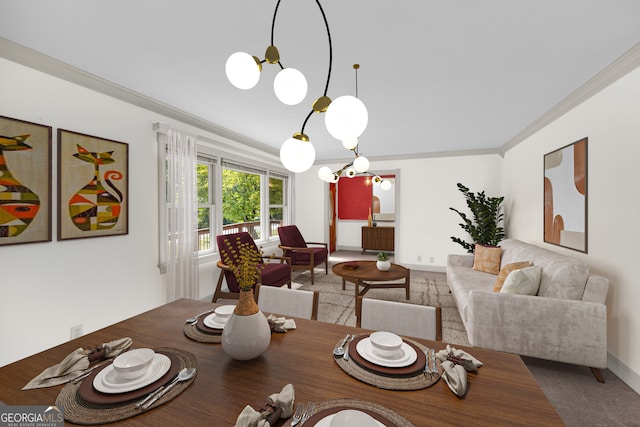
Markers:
point(436, 76)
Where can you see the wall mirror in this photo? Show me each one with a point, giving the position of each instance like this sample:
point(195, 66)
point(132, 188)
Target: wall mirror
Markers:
point(383, 202)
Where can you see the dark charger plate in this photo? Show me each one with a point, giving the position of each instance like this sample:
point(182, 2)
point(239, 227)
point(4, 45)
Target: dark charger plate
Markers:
point(90, 394)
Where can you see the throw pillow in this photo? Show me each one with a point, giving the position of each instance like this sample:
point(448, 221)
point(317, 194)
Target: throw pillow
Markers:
point(504, 272)
point(524, 281)
point(487, 258)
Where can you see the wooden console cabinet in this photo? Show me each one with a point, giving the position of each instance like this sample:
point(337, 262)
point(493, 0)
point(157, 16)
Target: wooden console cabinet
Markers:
point(378, 238)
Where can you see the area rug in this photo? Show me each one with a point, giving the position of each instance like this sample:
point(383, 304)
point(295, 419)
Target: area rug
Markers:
point(338, 306)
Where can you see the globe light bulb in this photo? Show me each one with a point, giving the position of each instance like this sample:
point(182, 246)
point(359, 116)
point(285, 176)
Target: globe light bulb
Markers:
point(296, 155)
point(350, 172)
point(334, 178)
point(350, 143)
point(385, 185)
point(242, 70)
point(346, 117)
point(361, 164)
point(290, 86)
point(325, 174)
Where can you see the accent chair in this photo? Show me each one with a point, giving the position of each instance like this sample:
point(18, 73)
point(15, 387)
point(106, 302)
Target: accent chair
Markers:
point(272, 274)
point(303, 256)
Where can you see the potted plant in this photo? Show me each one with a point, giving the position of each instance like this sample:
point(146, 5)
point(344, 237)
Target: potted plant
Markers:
point(383, 263)
point(485, 227)
point(246, 335)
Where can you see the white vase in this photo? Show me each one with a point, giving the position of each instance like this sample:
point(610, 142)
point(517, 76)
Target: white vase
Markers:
point(246, 336)
point(383, 265)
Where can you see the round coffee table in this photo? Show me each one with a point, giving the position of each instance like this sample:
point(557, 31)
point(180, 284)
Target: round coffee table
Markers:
point(365, 274)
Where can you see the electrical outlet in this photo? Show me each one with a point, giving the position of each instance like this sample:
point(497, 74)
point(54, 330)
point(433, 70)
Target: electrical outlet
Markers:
point(419, 258)
point(76, 331)
point(431, 260)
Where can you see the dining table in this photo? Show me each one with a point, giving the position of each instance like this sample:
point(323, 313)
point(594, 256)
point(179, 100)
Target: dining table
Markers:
point(502, 392)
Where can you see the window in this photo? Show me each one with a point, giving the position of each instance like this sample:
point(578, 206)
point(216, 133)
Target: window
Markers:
point(231, 196)
point(253, 200)
point(277, 202)
point(205, 179)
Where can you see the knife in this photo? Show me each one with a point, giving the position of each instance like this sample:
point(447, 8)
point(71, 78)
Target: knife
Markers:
point(434, 369)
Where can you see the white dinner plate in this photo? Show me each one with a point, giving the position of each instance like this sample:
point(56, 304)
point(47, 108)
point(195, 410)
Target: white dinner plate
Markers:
point(107, 381)
point(212, 321)
point(407, 355)
point(326, 422)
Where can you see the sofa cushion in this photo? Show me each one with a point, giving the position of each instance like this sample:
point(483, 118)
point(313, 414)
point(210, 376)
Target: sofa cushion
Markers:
point(523, 281)
point(462, 280)
point(487, 259)
point(504, 272)
point(562, 276)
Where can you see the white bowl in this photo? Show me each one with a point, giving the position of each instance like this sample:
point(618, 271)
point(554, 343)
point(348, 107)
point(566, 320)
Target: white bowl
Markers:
point(385, 344)
point(133, 363)
point(224, 312)
point(351, 417)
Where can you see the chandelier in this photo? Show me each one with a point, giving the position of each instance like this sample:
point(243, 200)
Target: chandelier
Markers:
point(345, 119)
point(358, 166)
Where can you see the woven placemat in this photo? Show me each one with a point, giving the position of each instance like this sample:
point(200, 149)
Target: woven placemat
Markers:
point(416, 382)
point(385, 415)
point(192, 332)
point(79, 411)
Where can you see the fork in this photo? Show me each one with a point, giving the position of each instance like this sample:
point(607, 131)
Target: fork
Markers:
point(297, 417)
point(308, 412)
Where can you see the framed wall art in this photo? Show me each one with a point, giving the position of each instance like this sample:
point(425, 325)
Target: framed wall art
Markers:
point(565, 196)
point(93, 186)
point(25, 182)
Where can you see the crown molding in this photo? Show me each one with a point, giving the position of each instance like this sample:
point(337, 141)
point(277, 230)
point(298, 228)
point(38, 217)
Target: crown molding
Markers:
point(622, 66)
point(38, 61)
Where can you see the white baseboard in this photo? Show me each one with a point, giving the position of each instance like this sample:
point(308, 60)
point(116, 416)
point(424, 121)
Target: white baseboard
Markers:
point(622, 371)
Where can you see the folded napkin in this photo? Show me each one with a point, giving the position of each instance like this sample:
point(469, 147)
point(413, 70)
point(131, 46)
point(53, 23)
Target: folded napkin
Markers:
point(278, 405)
point(455, 374)
point(75, 363)
point(280, 324)
point(460, 354)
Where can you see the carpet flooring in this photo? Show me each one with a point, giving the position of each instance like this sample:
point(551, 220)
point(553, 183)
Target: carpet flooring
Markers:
point(579, 399)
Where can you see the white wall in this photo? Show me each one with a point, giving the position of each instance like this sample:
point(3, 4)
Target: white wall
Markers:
point(610, 121)
point(426, 188)
point(46, 288)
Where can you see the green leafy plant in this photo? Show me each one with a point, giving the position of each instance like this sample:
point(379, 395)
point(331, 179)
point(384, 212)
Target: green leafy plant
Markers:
point(485, 227)
point(382, 256)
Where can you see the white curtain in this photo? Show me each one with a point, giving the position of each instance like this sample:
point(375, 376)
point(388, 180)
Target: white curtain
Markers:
point(182, 222)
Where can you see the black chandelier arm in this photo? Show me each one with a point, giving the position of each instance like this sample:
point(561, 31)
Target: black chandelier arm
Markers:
point(326, 24)
point(273, 21)
point(304, 124)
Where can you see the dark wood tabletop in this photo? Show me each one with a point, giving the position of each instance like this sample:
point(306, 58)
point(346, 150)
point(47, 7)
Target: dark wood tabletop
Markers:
point(503, 392)
point(367, 271)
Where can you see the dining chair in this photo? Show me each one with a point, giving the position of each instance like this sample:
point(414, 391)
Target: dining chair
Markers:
point(288, 302)
point(271, 274)
point(303, 256)
point(414, 320)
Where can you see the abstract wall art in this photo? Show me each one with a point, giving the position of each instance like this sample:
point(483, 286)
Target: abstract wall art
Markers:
point(565, 196)
point(93, 186)
point(25, 182)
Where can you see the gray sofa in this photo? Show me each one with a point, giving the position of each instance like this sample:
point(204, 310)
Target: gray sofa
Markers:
point(566, 321)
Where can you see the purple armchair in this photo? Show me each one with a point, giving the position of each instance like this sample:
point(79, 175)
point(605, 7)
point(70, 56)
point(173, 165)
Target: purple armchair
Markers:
point(272, 274)
point(303, 257)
